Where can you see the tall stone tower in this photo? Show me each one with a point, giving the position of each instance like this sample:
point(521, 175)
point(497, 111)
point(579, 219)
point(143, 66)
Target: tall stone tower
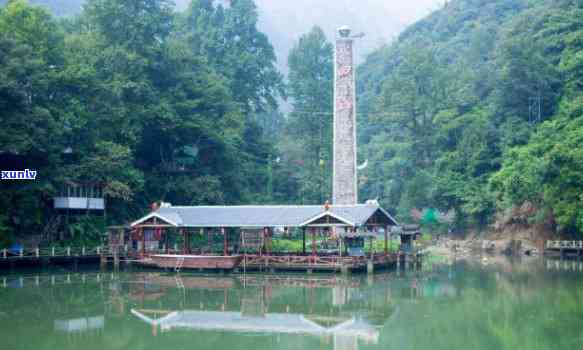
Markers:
point(344, 186)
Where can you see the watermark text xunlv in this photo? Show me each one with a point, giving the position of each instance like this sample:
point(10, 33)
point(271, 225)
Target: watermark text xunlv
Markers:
point(18, 174)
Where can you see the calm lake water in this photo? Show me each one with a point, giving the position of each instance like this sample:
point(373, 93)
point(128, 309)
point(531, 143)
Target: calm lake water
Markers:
point(538, 305)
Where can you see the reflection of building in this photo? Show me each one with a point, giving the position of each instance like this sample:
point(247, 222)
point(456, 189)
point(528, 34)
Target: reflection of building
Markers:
point(333, 309)
point(346, 332)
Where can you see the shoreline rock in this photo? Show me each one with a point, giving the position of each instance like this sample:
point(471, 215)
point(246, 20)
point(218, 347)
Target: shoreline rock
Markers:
point(480, 247)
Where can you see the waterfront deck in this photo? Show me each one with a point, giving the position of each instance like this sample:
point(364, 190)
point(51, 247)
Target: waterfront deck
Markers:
point(250, 262)
point(313, 263)
point(62, 255)
point(564, 249)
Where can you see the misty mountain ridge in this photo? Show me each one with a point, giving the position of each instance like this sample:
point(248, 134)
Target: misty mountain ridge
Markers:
point(285, 21)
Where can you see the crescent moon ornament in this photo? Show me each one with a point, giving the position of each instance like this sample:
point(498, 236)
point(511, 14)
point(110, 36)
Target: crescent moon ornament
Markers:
point(363, 165)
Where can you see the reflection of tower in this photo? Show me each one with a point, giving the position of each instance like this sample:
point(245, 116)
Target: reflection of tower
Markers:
point(345, 342)
point(344, 189)
point(339, 295)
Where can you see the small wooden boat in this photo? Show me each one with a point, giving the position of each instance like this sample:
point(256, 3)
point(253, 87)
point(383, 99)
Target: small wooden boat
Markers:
point(210, 262)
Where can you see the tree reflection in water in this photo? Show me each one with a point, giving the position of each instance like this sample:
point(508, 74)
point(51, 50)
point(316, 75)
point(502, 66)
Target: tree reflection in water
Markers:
point(441, 307)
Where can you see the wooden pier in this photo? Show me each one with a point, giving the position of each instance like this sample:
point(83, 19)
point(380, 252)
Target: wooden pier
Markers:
point(318, 263)
point(63, 255)
point(251, 262)
point(564, 249)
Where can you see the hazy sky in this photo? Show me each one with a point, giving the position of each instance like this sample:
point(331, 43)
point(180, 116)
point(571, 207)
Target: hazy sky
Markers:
point(285, 20)
point(381, 20)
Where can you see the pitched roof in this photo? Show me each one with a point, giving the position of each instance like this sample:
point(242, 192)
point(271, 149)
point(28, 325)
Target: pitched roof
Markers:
point(265, 215)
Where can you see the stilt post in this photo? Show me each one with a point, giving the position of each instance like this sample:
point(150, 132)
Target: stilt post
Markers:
point(386, 240)
point(303, 240)
point(165, 233)
point(225, 242)
point(184, 241)
point(313, 231)
point(143, 234)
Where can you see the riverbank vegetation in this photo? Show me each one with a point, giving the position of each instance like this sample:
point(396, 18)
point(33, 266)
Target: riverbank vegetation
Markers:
point(150, 103)
point(477, 110)
point(474, 112)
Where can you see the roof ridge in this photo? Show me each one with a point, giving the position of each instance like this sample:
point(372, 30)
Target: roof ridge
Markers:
point(272, 205)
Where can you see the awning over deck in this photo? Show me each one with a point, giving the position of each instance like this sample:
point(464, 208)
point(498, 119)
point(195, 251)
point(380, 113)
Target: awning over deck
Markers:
point(270, 216)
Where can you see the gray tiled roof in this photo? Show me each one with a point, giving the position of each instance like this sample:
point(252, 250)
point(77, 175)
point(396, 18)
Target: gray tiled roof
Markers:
point(263, 216)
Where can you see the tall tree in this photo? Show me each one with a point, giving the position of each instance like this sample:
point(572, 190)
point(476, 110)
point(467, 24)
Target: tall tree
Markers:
point(311, 87)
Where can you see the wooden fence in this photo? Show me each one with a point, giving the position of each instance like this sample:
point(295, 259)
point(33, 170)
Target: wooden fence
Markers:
point(564, 245)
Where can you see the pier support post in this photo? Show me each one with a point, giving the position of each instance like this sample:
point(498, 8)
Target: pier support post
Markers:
point(369, 267)
point(344, 269)
point(4, 253)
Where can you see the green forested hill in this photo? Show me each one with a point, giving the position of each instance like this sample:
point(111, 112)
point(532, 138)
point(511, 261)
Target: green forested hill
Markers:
point(477, 109)
point(149, 103)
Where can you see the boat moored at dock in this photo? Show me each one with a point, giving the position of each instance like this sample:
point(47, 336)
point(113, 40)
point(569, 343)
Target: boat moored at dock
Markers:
point(186, 261)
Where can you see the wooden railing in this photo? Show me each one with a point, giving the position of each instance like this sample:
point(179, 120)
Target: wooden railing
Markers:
point(28, 253)
point(564, 245)
point(80, 251)
point(311, 260)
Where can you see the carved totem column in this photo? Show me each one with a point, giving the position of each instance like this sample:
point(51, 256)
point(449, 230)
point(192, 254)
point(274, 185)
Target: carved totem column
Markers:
point(344, 187)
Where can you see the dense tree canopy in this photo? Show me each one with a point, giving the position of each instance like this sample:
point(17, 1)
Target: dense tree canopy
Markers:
point(476, 109)
point(130, 95)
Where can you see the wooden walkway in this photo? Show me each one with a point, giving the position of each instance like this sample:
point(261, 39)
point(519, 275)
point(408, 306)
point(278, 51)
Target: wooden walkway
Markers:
point(270, 263)
point(42, 256)
point(316, 263)
point(564, 248)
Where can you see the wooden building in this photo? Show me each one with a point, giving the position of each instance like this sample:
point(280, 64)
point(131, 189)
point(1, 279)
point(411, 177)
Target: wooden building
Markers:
point(343, 223)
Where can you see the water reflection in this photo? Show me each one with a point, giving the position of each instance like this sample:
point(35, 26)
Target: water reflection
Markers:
point(518, 306)
point(337, 310)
